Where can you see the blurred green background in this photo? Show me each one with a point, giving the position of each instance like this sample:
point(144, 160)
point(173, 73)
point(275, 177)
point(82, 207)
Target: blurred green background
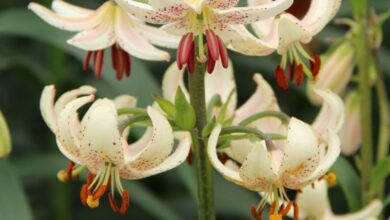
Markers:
point(34, 54)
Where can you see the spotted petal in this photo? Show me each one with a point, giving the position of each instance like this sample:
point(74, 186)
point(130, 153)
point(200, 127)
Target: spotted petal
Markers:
point(175, 7)
point(222, 4)
point(172, 80)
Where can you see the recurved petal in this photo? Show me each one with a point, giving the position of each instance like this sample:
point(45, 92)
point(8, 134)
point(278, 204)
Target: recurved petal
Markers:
point(371, 211)
point(350, 133)
point(71, 23)
point(71, 95)
point(101, 140)
point(68, 129)
point(229, 173)
point(222, 4)
point(251, 14)
point(125, 101)
point(172, 80)
point(157, 36)
point(156, 146)
point(239, 149)
point(301, 153)
point(131, 40)
point(332, 113)
point(63, 8)
point(290, 31)
point(175, 7)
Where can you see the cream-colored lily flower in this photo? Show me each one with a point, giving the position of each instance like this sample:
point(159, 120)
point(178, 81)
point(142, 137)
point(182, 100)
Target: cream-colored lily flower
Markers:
point(314, 204)
point(108, 26)
point(292, 29)
point(220, 21)
point(305, 156)
point(98, 142)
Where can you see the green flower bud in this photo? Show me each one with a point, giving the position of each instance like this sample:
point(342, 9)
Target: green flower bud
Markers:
point(5, 138)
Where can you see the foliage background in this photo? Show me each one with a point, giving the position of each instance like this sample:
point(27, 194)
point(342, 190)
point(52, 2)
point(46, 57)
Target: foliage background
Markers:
point(34, 54)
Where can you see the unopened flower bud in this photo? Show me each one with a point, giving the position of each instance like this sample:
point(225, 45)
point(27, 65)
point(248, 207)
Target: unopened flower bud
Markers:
point(335, 73)
point(350, 133)
point(5, 138)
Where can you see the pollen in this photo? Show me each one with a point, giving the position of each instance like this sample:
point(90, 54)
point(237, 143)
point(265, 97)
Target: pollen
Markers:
point(62, 176)
point(275, 217)
point(331, 178)
point(92, 203)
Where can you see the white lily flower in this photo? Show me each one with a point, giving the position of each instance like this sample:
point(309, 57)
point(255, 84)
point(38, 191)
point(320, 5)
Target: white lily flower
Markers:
point(107, 26)
point(297, 26)
point(219, 20)
point(99, 143)
point(314, 204)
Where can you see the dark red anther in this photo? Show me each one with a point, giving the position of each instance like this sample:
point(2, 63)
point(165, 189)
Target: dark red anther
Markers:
point(84, 194)
point(69, 170)
point(285, 210)
point(210, 64)
point(315, 65)
point(100, 192)
point(189, 158)
point(223, 53)
point(281, 78)
point(296, 210)
point(99, 63)
point(119, 63)
point(113, 57)
point(180, 51)
point(87, 58)
point(212, 44)
point(113, 203)
point(127, 60)
point(187, 48)
point(191, 60)
point(125, 202)
point(292, 68)
point(300, 75)
point(256, 215)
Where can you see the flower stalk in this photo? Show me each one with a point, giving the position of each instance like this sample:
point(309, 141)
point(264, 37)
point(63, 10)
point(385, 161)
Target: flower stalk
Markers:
point(204, 171)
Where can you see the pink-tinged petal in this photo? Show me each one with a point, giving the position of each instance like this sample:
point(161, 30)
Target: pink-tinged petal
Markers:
point(222, 4)
point(172, 80)
point(70, 23)
point(63, 8)
point(301, 154)
point(239, 39)
point(319, 14)
point(350, 133)
point(238, 150)
point(175, 159)
point(68, 129)
point(247, 15)
point(175, 7)
point(291, 31)
point(125, 101)
point(332, 113)
point(178, 28)
point(159, 144)
point(157, 36)
point(98, 38)
point(101, 140)
point(132, 42)
point(71, 95)
point(227, 172)
point(145, 12)
point(257, 170)
point(221, 82)
point(196, 5)
point(369, 212)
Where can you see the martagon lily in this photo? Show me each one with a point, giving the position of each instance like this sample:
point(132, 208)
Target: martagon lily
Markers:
point(292, 29)
point(220, 21)
point(99, 142)
point(107, 27)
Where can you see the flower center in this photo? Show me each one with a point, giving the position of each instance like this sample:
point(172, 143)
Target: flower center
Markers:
point(299, 8)
point(107, 179)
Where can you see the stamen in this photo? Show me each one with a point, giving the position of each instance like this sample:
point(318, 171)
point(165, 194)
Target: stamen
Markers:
point(191, 60)
point(69, 169)
point(272, 209)
point(127, 64)
point(179, 52)
point(113, 57)
point(113, 203)
point(285, 210)
point(300, 75)
point(100, 192)
point(92, 203)
point(99, 63)
point(281, 78)
point(119, 64)
point(84, 194)
point(331, 178)
point(125, 202)
point(292, 67)
point(256, 215)
point(223, 52)
point(315, 65)
point(210, 64)
point(87, 58)
point(212, 45)
point(187, 48)
point(296, 210)
point(189, 158)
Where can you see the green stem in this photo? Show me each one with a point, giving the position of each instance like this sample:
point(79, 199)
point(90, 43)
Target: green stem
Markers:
point(204, 171)
point(267, 114)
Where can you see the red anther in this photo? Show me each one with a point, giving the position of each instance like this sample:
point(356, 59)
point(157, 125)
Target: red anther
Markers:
point(255, 214)
point(127, 64)
point(84, 194)
point(113, 57)
point(210, 64)
point(223, 52)
point(296, 210)
point(212, 44)
point(189, 158)
point(87, 58)
point(281, 78)
point(300, 75)
point(100, 192)
point(99, 63)
point(191, 60)
point(179, 52)
point(69, 170)
point(125, 202)
point(315, 65)
point(285, 210)
point(187, 48)
point(292, 70)
point(94, 53)
point(272, 209)
point(120, 63)
point(113, 203)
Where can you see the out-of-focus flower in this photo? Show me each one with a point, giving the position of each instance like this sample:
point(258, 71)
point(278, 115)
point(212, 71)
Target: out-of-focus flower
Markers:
point(5, 138)
point(99, 143)
point(108, 26)
point(336, 71)
point(297, 26)
point(314, 204)
point(219, 20)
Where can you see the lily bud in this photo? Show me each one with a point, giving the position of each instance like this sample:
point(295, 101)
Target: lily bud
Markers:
point(335, 73)
point(5, 138)
point(351, 129)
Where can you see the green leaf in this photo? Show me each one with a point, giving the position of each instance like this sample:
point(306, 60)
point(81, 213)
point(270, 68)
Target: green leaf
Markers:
point(166, 106)
point(379, 174)
point(13, 202)
point(349, 182)
point(184, 113)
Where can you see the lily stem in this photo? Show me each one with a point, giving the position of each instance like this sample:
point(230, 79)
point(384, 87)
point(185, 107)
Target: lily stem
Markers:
point(204, 171)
